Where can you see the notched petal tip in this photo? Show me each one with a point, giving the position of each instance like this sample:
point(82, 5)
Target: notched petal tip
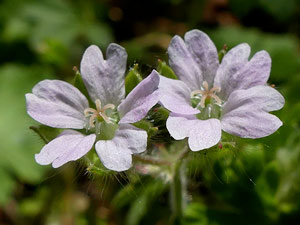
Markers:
point(115, 46)
point(240, 52)
point(116, 50)
point(195, 33)
point(176, 44)
point(242, 46)
point(89, 52)
point(116, 57)
point(104, 78)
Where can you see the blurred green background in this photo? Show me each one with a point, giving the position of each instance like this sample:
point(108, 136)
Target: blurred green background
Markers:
point(256, 182)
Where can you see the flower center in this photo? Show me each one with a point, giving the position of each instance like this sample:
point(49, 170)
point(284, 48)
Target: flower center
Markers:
point(205, 95)
point(99, 114)
point(206, 100)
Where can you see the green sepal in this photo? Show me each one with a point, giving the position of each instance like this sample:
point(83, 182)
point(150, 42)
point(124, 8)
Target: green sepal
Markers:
point(222, 52)
point(132, 79)
point(147, 126)
point(78, 83)
point(160, 114)
point(107, 131)
point(194, 102)
point(47, 134)
point(94, 165)
point(166, 71)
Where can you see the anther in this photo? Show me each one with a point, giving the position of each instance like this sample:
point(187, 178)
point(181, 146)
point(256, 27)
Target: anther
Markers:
point(98, 113)
point(206, 94)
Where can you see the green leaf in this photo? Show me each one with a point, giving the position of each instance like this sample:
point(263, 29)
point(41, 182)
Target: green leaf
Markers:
point(124, 197)
point(143, 202)
point(6, 187)
point(18, 144)
point(132, 79)
point(195, 213)
point(54, 29)
point(164, 70)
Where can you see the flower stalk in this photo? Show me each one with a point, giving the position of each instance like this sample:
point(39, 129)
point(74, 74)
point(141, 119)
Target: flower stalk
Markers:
point(177, 192)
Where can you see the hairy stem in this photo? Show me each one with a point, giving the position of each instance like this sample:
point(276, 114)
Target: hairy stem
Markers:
point(177, 193)
point(150, 160)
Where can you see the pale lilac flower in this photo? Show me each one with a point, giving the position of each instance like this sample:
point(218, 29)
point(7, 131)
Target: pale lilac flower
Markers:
point(210, 96)
point(59, 104)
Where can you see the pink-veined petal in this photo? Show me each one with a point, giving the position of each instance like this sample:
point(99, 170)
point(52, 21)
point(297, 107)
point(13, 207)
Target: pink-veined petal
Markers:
point(204, 52)
point(232, 62)
point(104, 79)
point(250, 124)
point(175, 95)
point(183, 63)
point(256, 98)
point(116, 154)
point(69, 146)
point(253, 73)
point(180, 126)
point(205, 134)
point(57, 104)
point(140, 100)
point(245, 114)
point(202, 134)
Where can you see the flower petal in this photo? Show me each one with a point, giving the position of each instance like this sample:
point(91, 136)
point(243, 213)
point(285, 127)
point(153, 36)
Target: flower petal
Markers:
point(116, 154)
point(175, 95)
point(69, 146)
point(245, 113)
point(250, 124)
point(104, 79)
point(140, 100)
point(204, 53)
point(183, 63)
point(202, 134)
point(205, 134)
point(179, 126)
point(231, 63)
point(256, 98)
point(253, 73)
point(57, 104)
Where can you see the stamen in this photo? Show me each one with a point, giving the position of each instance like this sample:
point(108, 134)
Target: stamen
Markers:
point(89, 111)
point(202, 102)
point(92, 119)
point(98, 105)
point(105, 118)
point(205, 85)
point(217, 99)
point(108, 106)
point(98, 113)
point(206, 93)
point(215, 89)
point(196, 92)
